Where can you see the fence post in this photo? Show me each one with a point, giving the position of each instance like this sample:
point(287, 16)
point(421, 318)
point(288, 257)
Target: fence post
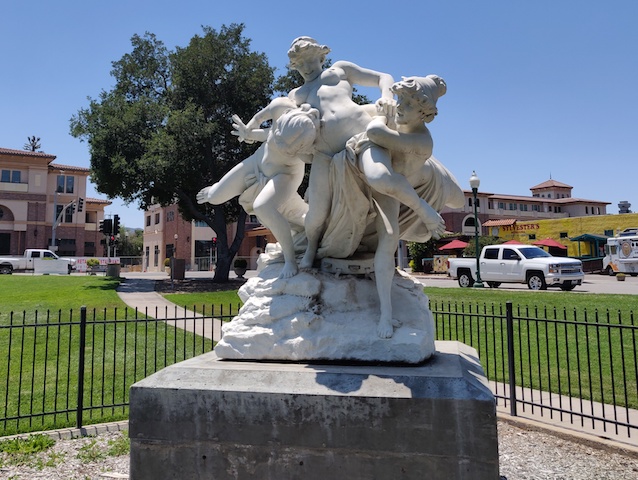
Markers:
point(81, 367)
point(510, 355)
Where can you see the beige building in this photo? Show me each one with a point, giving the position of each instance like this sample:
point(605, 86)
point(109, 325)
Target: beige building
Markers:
point(166, 234)
point(549, 200)
point(34, 192)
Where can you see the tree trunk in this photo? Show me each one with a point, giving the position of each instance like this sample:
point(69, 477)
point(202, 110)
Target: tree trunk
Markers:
point(225, 252)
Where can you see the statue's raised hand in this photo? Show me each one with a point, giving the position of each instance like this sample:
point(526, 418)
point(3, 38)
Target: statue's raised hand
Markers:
point(241, 130)
point(386, 107)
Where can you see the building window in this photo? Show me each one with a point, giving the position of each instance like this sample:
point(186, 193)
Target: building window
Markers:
point(11, 176)
point(532, 236)
point(587, 211)
point(65, 184)
point(501, 205)
point(563, 234)
point(536, 208)
point(157, 218)
point(609, 233)
point(200, 223)
point(523, 207)
point(490, 205)
point(512, 206)
point(148, 220)
point(156, 256)
point(549, 208)
point(1, 213)
point(170, 216)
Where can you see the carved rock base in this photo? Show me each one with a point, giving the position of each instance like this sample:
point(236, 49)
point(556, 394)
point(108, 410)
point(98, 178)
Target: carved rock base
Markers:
point(319, 316)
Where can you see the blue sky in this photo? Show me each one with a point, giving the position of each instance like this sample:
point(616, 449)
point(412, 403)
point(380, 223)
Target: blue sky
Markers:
point(535, 89)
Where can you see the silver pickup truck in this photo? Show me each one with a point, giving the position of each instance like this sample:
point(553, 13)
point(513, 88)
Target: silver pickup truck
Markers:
point(518, 264)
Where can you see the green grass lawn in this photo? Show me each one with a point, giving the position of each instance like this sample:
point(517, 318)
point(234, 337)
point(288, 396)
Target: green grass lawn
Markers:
point(577, 345)
point(220, 302)
point(41, 375)
point(29, 293)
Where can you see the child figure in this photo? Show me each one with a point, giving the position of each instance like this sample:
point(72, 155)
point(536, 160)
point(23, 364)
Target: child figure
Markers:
point(268, 180)
point(393, 163)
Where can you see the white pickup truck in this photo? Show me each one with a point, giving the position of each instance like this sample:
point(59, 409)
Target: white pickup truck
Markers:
point(26, 262)
point(518, 264)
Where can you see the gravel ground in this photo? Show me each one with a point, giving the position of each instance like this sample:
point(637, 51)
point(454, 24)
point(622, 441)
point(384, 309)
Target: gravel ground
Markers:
point(525, 454)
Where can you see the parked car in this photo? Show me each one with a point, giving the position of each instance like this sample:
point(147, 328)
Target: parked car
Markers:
point(518, 264)
point(26, 262)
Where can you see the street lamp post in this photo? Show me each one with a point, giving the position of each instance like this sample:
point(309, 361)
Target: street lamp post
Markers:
point(474, 183)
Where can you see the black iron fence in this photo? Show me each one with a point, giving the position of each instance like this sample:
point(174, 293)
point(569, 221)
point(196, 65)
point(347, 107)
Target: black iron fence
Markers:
point(77, 368)
point(572, 366)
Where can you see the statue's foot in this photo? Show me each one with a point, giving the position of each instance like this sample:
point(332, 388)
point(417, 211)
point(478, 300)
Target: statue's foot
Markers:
point(306, 262)
point(385, 328)
point(289, 270)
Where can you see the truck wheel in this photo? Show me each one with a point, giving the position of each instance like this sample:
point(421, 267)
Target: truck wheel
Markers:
point(494, 284)
point(5, 270)
point(536, 281)
point(567, 288)
point(609, 271)
point(465, 279)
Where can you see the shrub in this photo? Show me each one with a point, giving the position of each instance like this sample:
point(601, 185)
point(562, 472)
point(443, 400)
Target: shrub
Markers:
point(92, 262)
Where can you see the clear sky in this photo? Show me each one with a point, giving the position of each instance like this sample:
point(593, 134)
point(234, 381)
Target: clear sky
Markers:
point(535, 89)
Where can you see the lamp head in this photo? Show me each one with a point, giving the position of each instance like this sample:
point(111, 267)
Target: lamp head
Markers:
point(474, 181)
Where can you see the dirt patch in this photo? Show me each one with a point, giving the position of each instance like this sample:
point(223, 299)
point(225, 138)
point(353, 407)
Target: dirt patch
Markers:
point(194, 285)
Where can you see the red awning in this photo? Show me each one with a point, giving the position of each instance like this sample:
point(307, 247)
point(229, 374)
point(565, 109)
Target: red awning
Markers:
point(513, 242)
point(453, 245)
point(549, 242)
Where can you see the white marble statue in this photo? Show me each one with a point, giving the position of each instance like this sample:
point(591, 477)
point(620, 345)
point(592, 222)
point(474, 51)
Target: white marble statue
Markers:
point(267, 181)
point(373, 181)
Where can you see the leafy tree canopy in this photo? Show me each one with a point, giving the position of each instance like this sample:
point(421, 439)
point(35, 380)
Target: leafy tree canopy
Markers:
point(162, 133)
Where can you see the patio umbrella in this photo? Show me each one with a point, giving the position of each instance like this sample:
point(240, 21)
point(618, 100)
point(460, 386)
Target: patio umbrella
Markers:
point(513, 242)
point(453, 245)
point(549, 242)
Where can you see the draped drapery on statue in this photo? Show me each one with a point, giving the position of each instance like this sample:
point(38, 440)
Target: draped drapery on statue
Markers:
point(353, 209)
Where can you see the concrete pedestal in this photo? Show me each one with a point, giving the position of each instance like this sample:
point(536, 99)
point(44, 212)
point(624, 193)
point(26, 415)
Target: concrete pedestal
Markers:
point(219, 419)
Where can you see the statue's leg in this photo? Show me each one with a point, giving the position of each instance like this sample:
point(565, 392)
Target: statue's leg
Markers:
point(233, 183)
point(376, 164)
point(267, 207)
point(387, 225)
point(319, 198)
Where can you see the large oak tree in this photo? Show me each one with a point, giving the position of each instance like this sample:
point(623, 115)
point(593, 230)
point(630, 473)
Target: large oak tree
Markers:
point(163, 131)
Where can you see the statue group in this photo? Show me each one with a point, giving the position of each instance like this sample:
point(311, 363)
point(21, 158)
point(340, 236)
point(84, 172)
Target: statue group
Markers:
point(373, 181)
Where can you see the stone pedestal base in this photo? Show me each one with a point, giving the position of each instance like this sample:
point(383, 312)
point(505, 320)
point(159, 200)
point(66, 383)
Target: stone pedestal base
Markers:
point(210, 418)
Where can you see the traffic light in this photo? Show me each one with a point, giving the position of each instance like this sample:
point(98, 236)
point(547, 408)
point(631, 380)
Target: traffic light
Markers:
point(116, 224)
point(80, 204)
point(101, 226)
point(215, 242)
point(108, 226)
point(72, 208)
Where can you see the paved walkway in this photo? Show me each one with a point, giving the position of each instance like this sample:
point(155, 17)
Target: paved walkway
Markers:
point(138, 291)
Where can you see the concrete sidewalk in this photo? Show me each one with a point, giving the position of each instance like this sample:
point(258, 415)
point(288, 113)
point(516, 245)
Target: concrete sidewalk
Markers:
point(139, 293)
